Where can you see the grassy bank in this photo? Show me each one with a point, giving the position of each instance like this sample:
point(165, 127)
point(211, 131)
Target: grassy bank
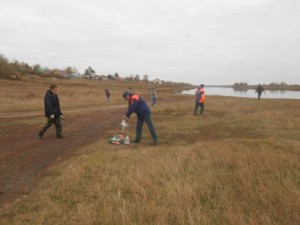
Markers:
point(238, 163)
point(28, 94)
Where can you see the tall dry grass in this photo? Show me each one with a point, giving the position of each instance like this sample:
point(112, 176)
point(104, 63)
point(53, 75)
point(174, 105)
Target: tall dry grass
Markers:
point(28, 94)
point(238, 163)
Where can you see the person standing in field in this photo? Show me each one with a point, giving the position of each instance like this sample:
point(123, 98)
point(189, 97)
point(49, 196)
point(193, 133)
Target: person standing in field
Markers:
point(199, 99)
point(129, 90)
point(107, 94)
point(137, 105)
point(153, 96)
point(259, 90)
point(52, 112)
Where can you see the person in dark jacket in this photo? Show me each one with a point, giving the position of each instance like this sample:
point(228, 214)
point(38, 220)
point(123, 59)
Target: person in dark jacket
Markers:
point(52, 112)
point(137, 105)
point(107, 94)
point(199, 99)
point(259, 89)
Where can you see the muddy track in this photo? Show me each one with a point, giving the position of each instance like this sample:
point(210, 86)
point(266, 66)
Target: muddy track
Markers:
point(24, 158)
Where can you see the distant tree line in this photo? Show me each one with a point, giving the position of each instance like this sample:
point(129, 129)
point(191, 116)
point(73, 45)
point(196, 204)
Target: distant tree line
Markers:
point(91, 74)
point(12, 69)
point(271, 86)
point(16, 70)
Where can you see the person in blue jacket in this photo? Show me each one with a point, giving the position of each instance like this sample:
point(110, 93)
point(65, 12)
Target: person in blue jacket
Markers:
point(137, 105)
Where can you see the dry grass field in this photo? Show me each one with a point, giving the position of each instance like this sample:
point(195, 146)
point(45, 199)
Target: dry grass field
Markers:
point(238, 163)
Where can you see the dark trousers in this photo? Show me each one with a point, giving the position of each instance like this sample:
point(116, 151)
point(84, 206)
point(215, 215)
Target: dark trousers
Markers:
point(57, 124)
point(153, 100)
point(258, 95)
point(197, 105)
point(139, 128)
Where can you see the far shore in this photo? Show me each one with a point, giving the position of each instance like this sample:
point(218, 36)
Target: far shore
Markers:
point(294, 87)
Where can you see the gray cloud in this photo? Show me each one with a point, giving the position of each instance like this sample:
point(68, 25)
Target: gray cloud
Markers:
point(210, 41)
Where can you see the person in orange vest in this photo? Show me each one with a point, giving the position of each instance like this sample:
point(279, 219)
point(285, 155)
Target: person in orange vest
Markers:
point(137, 105)
point(199, 99)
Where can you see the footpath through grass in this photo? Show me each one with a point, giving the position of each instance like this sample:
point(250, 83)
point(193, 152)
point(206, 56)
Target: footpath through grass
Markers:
point(238, 163)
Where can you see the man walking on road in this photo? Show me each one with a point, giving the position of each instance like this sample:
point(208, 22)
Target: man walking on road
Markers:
point(52, 112)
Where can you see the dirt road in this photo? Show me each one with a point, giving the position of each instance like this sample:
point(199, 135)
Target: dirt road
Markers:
point(24, 158)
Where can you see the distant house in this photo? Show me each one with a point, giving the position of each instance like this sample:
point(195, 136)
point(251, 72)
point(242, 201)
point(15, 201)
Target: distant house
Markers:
point(59, 72)
point(119, 78)
point(43, 69)
point(111, 77)
point(75, 75)
point(157, 81)
point(96, 77)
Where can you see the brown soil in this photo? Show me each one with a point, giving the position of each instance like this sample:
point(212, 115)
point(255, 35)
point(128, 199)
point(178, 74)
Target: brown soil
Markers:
point(25, 158)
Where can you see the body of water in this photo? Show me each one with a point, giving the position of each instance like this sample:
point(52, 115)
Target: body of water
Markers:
point(225, 91)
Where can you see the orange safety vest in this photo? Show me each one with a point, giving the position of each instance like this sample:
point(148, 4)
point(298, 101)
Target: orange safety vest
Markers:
point(134, 97)
point(202, 99)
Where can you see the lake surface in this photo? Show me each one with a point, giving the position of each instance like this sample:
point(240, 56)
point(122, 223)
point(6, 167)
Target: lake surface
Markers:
point(226, 91)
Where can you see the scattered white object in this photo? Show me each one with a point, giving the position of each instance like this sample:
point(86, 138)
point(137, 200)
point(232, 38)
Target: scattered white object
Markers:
point(119, 139)
point(124, 125)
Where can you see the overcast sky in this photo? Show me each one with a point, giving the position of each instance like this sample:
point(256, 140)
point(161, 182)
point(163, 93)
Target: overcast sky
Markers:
point(193, 41)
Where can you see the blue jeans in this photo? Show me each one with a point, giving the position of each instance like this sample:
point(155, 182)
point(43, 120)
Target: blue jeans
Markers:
point(139, 128)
